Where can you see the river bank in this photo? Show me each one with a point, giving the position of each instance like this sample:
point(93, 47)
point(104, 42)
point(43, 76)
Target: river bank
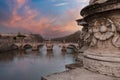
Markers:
point(5, 47)
point(78, 74)
point(76, 71)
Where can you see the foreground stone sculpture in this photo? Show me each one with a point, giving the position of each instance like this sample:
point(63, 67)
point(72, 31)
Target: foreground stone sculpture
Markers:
point(103, 20)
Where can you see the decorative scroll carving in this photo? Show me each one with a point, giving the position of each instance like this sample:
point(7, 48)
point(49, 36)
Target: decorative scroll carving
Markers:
point(93, 42)
point(88, 37)
point(103, 36)
point(116, 41)
point(84, 36)
point(104, 29)
point(118, 27)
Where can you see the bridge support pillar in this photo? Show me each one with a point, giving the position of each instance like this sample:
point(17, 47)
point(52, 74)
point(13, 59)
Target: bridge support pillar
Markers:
point(49, 46)
point(64, 48)
point(21, 47)
point(35, 49)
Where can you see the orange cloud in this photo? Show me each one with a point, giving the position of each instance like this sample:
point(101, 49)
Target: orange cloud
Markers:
point(15, 16)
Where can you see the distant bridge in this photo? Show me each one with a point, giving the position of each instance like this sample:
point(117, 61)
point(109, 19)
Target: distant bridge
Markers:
point(36, 45)
point(74, 46)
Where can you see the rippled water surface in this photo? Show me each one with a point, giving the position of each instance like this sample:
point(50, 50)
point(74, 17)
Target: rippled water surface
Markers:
point(30, 65)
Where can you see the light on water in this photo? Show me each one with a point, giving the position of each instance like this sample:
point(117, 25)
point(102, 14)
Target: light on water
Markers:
point(31, 65)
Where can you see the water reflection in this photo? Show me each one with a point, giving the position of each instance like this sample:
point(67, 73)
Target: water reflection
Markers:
point(29, 65)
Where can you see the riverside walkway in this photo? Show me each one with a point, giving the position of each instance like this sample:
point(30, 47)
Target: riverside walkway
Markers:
point(78, 74)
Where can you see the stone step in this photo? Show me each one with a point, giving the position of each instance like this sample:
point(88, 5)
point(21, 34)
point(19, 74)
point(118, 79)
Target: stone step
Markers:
point(74, 66)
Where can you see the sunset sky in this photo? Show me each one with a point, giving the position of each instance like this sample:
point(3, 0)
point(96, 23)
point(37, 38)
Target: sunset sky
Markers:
point(50, 18)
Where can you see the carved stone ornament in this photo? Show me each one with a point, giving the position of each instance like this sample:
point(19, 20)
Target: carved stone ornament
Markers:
point(103, 36)
point(118, 26)
point(105, 30)
point(93, 42)
point(116, 40)
point(86, 36)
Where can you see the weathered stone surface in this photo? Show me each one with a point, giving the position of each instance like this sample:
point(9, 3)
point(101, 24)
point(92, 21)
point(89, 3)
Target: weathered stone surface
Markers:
point(116, 40)
point(102, 7)
point(103, 63)
point(74, 65)
point(103, 54)
point(78, 74)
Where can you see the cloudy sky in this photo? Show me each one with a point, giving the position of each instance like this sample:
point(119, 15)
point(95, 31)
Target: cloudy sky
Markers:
point(50, 18)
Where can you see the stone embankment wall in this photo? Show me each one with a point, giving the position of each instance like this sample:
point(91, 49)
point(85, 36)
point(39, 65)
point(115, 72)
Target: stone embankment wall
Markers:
point(6, 47)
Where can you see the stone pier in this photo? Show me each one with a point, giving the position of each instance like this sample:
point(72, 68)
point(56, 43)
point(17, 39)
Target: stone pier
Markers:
point(101, 58)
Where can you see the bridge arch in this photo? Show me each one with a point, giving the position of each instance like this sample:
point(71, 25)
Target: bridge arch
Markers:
point(14, 46)
point(73, 47)
point(26, 46)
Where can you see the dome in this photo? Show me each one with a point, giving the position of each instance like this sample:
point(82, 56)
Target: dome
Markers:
point(97, 1)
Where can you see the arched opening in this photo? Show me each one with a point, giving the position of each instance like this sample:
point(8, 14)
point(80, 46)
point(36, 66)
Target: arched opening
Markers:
point(14, 46)
point(27, 46)
point(73, 47)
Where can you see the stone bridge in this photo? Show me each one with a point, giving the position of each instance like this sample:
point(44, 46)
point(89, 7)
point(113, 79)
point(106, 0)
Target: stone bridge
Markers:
point(74, 46)
point(33, 45)
point(36, 45)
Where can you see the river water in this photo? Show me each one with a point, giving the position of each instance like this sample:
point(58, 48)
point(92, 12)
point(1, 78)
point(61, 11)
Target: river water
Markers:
point(31, 65)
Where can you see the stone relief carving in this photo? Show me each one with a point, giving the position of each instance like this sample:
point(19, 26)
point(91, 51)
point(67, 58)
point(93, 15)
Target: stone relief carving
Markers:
point(103, 30)
point(116, 40)
point(118, 27)
point(88, 36)
point(93, 42)
point(85, 36)
point(103, 54)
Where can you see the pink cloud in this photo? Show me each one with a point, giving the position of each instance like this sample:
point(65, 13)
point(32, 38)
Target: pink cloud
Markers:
point(45, 25)
point(20, 3)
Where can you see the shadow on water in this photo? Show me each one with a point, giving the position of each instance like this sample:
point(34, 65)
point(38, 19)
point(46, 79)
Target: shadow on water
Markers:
point(31, 65)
